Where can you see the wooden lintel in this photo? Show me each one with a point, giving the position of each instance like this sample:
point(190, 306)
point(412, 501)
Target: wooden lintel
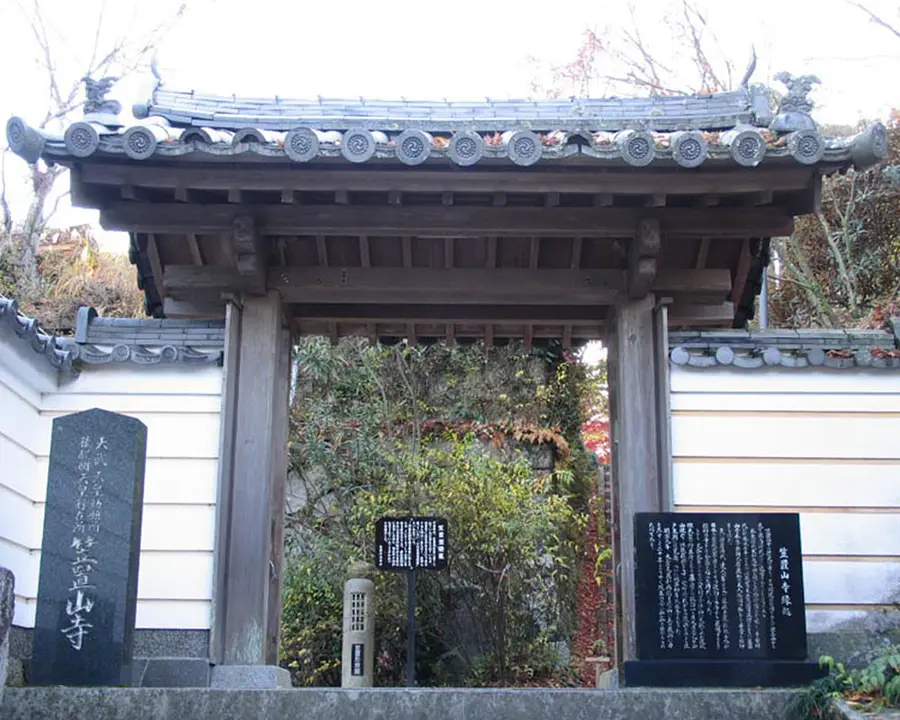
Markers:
point(643, 182)
point(576, 316)
point(461, 221)
point(453, 287)
point(466, 286)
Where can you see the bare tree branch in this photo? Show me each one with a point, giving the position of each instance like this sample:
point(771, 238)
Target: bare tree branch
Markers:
point(875, 18)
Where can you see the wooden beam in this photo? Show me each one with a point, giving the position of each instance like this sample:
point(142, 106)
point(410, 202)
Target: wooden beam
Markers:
point(683, 314)
point(194, 247)
point(740, 276)
point(642, 253)
point(491, 261)
point(439, 286)
point(459, 221)
point(702, 254)
point(464, 286)
point(528, 339)
point(406, 241)
point(534, 253)
point(577, 316)
point(153, 257)
point(185, 309)
point(411, 336)
point(363, 251)
point(628, 182)
point(321, 251)
point(567, 337)
point(488, 335)
point(448, 253)
point(576, 253)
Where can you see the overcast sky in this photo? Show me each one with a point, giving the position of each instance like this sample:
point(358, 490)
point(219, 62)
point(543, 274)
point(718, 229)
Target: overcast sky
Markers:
point(459, 50)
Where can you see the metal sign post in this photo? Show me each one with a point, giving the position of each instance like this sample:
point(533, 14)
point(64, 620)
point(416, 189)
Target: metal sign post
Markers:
point(411, 543)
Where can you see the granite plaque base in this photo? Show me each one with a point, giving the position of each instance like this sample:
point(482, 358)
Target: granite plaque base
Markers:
point(720, 673)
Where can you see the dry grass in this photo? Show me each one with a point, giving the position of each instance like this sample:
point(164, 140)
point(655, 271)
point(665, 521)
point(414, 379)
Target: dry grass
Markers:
point(74, 273)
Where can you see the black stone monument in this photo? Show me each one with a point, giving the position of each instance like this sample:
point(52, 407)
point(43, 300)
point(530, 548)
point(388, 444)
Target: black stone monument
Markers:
point(87, 591)
point(719, 601)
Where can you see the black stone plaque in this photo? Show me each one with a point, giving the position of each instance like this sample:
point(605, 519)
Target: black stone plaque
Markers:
point(411, 543)
point(716, 595)
point(87, 591)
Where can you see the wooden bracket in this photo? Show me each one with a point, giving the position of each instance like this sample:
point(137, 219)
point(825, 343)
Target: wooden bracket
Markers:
point(642, 255)
point(250, 254)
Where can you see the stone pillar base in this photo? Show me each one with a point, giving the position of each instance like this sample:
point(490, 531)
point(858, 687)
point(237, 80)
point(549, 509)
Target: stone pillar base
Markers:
point(249, 677)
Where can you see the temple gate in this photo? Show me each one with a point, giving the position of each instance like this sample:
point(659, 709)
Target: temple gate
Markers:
point(572, 220)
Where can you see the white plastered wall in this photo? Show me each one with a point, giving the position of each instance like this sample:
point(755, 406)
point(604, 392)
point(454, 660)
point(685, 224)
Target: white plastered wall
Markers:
point(180, 406)
point(824, 443)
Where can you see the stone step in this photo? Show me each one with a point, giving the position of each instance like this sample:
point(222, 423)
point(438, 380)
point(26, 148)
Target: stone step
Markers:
point(58, 703)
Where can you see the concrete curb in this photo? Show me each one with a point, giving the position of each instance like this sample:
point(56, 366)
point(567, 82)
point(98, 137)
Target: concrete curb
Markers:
point(394, 703)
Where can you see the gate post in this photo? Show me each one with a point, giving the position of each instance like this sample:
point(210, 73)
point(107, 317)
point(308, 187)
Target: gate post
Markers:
point(638, 392)
point(252, 474)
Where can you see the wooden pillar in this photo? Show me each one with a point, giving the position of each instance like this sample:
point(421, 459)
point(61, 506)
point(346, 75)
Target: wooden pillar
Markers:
point(251, 484)
point(640, 445)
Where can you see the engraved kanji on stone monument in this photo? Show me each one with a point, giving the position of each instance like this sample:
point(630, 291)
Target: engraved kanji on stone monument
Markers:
point(87, 592)
point(715, 586)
